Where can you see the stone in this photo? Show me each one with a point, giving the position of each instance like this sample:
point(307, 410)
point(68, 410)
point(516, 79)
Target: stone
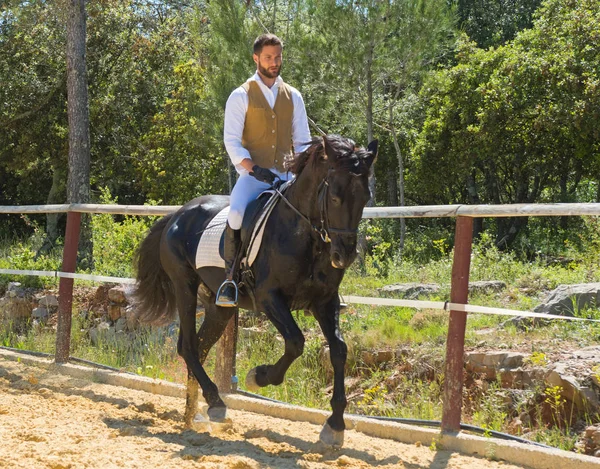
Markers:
point(131, 316)
point(589, 431)
point(100, 333)
point(569, 385)
point(566, 300)
point(376, 358)
point(48, 301)
point(121, 324)
point(115, 312)
point(40, 313)
point(118, 295)
point(410, 290)
point(487, 286)
point(492, 362)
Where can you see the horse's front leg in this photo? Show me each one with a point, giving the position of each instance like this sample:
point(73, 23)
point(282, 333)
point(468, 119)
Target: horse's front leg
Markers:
point(280, 315)
point(328, 316)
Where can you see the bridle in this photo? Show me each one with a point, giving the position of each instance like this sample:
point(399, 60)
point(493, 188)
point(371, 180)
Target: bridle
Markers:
point(325, 229)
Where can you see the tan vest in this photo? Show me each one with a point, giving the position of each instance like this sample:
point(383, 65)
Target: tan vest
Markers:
point(268, 132)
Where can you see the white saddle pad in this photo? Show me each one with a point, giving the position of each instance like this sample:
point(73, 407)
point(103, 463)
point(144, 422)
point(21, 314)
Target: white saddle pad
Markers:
point(207, 253)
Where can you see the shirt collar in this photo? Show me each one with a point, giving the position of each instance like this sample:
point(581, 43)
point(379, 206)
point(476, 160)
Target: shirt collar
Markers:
point(257, 78)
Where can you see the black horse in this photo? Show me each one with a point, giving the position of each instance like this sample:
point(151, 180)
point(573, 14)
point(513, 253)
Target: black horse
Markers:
point(308, 243)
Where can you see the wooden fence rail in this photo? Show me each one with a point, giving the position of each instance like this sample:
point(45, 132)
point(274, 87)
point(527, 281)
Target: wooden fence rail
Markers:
point(464, 215)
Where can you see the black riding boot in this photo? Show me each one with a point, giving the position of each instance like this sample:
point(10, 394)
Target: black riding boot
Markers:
point(228, 291)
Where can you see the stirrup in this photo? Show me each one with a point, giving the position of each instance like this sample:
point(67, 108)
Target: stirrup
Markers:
point(227, 303)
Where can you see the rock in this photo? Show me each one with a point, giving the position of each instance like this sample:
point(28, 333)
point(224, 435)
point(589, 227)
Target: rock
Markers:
point(121, 324)
point(491, 363)
point(40, 313)
point(487, 286)
point(13, 286)
point(376, 358)
point(567, 300)
point(101, 333)
point(570, 388)
point(118, 295)
point(115, 312)
point(589, 431)
point(131, 316)
point(48, 301)
point(410, 290)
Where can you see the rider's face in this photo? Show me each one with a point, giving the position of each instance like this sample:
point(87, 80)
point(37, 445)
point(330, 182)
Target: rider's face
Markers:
point(268, 62)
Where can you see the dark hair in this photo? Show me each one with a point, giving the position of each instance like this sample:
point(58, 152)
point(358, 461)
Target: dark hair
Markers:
point(266, 40)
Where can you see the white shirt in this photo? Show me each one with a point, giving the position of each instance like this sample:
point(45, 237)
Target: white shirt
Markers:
point(235, 117)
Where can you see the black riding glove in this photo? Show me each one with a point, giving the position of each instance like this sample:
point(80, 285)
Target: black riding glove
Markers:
point(263, 174)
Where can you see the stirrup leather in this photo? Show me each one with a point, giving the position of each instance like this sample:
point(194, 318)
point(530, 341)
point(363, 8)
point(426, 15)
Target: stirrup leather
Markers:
point(227, 303)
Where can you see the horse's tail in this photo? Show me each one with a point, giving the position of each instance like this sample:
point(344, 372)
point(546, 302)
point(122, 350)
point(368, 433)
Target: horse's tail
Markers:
point(153, 292)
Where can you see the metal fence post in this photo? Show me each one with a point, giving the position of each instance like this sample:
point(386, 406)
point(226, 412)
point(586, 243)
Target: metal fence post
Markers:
point(455, 343)
point(65, 289)
point(225, 356)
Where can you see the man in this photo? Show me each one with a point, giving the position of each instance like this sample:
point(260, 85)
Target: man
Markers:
point(263, 118)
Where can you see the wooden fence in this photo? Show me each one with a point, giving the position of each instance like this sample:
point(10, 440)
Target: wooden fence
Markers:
point(464, 214)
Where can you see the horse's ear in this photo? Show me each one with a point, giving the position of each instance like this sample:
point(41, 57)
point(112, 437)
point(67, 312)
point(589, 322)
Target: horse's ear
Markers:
point(372, 149)
point(329, 153)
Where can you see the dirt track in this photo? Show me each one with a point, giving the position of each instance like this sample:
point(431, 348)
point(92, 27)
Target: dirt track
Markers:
point(53, 421)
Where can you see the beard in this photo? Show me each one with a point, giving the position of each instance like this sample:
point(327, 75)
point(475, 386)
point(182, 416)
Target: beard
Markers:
point(269, 73)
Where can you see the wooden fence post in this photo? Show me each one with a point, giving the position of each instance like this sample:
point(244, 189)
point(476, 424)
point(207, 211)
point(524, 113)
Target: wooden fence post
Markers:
point(225, 356)
point(65, 289)
point(455, 343)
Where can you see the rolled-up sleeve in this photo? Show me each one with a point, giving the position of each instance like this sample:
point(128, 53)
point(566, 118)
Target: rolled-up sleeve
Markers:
point(235, 117)
point(300, 132)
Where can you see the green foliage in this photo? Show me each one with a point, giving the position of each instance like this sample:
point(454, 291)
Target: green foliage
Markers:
point(23, 255)
point(114, 241)
point(495, 22)
point(181, 156)
point(513, 124)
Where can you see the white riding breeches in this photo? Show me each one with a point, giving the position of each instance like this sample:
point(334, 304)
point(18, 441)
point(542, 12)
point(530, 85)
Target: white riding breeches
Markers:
point(247, 189)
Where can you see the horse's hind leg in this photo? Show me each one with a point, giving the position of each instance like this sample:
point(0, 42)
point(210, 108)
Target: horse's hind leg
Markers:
point(191, 390)
point(188, 349)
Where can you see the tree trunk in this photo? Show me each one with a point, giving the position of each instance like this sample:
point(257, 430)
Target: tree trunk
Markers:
point(400, 178)
point(369, 115)
point(475, 200)
point(55, 196)
point(78, 185)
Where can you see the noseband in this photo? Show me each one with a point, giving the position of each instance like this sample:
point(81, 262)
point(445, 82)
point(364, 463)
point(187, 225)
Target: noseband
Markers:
point(325, 228)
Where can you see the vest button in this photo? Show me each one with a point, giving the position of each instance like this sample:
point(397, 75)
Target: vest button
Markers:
point(272, 146)
point(273, 116)
point(272, 131)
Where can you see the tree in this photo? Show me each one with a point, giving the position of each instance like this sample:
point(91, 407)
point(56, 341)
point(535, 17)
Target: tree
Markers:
point(495, 22)
point(78, 184)
point(513, 124)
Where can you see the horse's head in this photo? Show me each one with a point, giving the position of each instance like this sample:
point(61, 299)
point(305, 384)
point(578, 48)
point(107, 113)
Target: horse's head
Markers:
point(343, 194)
point(339, 175)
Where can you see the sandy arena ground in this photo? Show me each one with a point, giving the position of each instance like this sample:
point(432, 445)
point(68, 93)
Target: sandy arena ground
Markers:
point(53, 421)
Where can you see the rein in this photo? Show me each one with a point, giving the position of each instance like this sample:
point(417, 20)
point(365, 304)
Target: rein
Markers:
point(324, 230)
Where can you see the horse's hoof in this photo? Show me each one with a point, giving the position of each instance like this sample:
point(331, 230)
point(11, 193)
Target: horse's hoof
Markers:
point(200, 423)
point(217, 414)
point(251, 384)
point(331, 437)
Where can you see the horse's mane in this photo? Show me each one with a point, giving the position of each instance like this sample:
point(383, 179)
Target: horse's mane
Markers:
point(348, 155)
